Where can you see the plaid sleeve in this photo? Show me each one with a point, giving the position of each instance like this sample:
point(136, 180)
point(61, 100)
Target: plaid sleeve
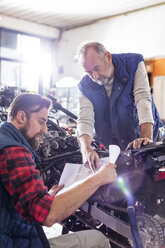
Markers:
point(20, 178)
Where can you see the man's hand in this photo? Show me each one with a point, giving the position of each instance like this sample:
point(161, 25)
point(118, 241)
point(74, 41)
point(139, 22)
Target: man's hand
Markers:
point(146, 136)
point(54, 190)
point(108, 173)
point(90, 157)
point(137, 143)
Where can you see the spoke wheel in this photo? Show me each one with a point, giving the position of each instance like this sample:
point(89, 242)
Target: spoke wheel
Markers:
point(153, 228)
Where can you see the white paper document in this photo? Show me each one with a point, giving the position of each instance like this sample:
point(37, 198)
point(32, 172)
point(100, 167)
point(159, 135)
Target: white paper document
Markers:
point(74, 174)
point(114, 152)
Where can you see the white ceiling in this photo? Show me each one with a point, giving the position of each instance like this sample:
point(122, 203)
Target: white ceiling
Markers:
point(67, 14)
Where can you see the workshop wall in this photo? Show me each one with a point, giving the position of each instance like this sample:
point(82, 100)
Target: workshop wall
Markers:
point(141, 32)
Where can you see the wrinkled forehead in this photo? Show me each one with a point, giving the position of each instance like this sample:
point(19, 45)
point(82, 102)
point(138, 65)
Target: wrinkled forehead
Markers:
point(85, 52)
point(91, 59)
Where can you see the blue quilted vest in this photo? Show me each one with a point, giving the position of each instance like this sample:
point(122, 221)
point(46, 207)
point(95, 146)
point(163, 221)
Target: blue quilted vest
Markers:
point(14, 231)
point(116, 120)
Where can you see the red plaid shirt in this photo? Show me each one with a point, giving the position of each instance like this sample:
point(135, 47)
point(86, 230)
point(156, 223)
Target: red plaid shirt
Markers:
point(22, 181)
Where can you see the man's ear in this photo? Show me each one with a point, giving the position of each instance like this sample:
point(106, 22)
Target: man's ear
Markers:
point(108, 56)
point(21, 117)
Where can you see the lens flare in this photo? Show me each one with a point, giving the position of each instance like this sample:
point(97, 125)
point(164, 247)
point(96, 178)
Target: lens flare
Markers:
point(123, 187)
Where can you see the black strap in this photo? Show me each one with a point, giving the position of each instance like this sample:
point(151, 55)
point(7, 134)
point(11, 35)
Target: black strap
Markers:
point(42, 235)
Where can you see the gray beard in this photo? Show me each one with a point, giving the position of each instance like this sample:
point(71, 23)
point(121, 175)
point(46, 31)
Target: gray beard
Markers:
point(106, 82)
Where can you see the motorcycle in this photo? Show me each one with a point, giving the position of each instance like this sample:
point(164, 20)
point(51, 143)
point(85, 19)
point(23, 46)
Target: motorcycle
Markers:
point(141, 180)
point(139, 191)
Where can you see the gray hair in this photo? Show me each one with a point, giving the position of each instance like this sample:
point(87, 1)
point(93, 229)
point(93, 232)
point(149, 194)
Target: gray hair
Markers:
point(83, 47)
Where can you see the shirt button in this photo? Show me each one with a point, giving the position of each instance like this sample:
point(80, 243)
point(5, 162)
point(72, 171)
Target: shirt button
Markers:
point(125, 78)
point(118, 88)
point(122, 141)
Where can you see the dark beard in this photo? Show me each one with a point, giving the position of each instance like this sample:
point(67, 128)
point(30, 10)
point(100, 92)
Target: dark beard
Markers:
point(34, 144)
point(32, 141)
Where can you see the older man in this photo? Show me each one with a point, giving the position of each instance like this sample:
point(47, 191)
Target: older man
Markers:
point(115, 99)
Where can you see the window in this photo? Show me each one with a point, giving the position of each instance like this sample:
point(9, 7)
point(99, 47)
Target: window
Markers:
point(25, 61)
point(10, 73)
